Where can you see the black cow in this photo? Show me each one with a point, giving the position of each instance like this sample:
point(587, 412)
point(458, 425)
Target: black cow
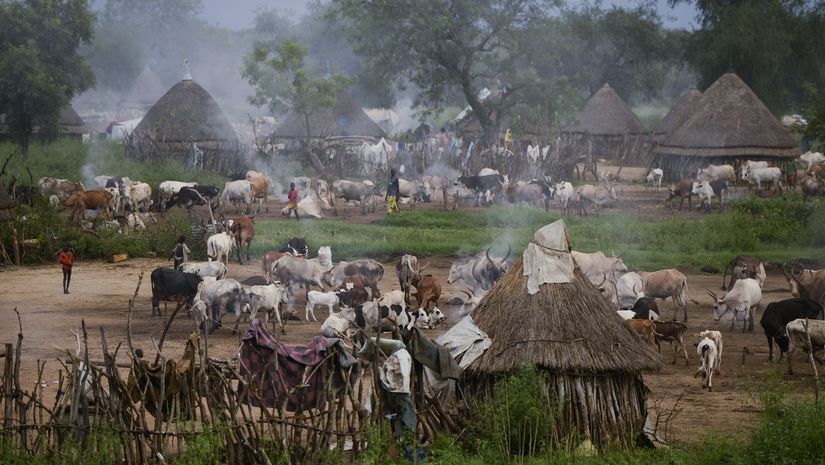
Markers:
point(170, 285)
point(493, 183)
point(186, 197)
point(643, 307)
point(296, 246)
point(778, 314)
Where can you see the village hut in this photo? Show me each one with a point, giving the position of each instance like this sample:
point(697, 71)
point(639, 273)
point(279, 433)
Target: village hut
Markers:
point(344, 123)
point(606, 128)
point(187, 125)
point(729, 124)
point(145, 91)
point(545, 313)
point(70, 125)
point(678, 113)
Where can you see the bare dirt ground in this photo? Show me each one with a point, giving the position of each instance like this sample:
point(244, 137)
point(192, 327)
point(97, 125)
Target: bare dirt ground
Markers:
point(100, 292)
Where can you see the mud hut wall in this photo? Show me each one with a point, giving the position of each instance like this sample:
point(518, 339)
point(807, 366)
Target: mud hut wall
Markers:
point(218, 156)
point(606, 408)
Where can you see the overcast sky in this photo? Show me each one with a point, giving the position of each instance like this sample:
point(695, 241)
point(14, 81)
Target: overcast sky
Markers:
point(238, 14)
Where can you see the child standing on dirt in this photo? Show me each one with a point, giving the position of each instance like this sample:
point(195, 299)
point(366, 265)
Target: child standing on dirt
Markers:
point(181, 252)
point(66, 258)
point(292, 203)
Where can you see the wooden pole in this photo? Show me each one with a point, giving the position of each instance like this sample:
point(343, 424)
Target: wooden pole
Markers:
point(813, 363)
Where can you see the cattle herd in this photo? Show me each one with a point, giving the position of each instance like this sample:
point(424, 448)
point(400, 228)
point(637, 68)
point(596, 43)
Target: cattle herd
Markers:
point(349, 290)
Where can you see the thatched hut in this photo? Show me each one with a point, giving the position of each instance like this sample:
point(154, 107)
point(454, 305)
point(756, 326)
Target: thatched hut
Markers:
point(678, 113)
point(545, 312)
point(185, 117)
point(606, 128)
point(345, 123)
point(728, 125)
point(70, 125)
point(146, 90)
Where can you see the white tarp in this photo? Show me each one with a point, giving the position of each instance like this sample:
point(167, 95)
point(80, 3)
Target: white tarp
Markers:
point(465, 338)
point(395, 372)
point(547, 258)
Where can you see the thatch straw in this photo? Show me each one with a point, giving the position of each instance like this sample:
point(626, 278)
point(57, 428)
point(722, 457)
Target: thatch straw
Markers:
point(564, 328)
point(327, 122)
point(729, 121)
point(186, 113)
point(678, 113)
point(606, 114)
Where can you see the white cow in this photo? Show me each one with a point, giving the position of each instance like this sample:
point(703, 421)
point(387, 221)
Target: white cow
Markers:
point(798, 337)
point(749, 165)
point(140, 196)
point(169, 188)
point(238, 192)
point(716, 337)
point(704, 191)
point(564, 191)
point(215, 269)
point(219, 246)
point(329, 299)
point(812, 158)
point(269, 298)
point(714, 172)
point(772, 175)
point(707, 354)
point(308, 207)
point(630, 287)
point(742, 300)
point(655, 176)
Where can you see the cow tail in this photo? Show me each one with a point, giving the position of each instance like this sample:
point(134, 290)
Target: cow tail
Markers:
point(210, 250)
point(381, 276)
point(687, 295)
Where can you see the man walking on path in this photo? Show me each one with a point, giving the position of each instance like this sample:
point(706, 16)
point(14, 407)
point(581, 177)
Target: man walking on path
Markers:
point(66, 258)
point(392, 193)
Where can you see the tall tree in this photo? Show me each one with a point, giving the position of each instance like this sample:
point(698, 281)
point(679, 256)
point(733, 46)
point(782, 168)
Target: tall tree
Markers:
point(773, 45)
point(440, 45)
point(42, 68)
point(283, 83)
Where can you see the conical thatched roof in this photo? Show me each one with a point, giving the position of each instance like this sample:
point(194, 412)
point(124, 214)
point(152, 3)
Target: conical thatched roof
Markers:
point(729, 121)
point(566, 327)
point(606, 114)
point(70, 122)
point(146, 90)
point(186, 113)
point(345, 119)
point(679, 112)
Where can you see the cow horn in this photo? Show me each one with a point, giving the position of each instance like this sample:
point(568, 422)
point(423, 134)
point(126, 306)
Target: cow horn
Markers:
point(634, 287)
point(424, 267)
point(487, 254)
point(466, 292)
point(712, 294)
point(509, 250)
point(604, 276)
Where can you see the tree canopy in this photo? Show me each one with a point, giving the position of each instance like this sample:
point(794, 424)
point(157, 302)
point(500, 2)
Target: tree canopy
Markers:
point(43, 69)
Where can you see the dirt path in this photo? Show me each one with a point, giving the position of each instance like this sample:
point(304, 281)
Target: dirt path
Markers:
point(100, 292)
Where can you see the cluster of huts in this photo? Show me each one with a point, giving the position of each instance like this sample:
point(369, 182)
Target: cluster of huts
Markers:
point(724, 125)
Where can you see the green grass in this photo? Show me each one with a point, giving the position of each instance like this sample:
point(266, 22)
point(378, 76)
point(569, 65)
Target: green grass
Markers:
point(775, 230)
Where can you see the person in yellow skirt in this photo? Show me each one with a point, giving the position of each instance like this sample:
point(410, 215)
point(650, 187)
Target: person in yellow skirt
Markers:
point(392, 193)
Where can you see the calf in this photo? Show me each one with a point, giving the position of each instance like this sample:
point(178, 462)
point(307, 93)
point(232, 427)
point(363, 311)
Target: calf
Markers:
point(436, 316)
point(645, 330)
point(776, 317)
point(172, 285)
point(330, 299)
point(645, 309)
point(672, 332)
point(707, 355)
point(655, 177)
point(705, 193)
point(796, 333)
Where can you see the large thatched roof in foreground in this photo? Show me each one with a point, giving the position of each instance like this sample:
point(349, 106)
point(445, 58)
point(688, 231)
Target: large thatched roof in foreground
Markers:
point(606, 114)
point(564, 327)
point(186, 113)
point(345, 119)
point(679, 112)
point(729, 121)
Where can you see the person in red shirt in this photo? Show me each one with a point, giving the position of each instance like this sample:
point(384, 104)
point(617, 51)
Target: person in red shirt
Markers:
point(66, 258)
point(292, 204)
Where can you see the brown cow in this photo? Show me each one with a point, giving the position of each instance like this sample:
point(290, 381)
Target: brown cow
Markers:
point(645, 330)
point(682, 190)
point(260, 187)
point(93, 199)
point(243, 230)
point(62, 188)
point(356, 289)
point(429, 290)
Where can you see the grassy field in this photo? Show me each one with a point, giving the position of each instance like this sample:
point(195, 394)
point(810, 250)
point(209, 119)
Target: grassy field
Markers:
point(764, 228)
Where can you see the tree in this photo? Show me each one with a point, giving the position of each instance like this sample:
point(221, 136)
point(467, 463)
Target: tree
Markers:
point(773, 45)
point(440, 46)
point(814, 113)
point(42, 69)
point(283, 83)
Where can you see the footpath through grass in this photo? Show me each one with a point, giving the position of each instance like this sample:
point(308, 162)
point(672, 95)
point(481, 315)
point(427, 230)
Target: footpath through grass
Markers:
point(776, 230)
